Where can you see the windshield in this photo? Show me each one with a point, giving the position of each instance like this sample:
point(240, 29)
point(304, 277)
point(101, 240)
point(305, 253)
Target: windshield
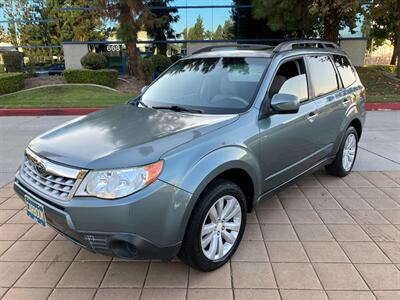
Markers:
point(210, 85)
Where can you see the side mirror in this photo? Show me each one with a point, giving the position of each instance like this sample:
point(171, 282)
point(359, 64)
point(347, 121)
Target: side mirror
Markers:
point(144, 89)
point(285, 104)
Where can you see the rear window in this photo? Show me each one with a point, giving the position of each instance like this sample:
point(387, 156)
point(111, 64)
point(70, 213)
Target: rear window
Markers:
point(346, 70)
point(323, 75)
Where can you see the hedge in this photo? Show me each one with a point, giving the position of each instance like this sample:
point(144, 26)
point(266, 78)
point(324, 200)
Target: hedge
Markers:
point(146, 69)
point(385, 68)
point(11, 82)
point(13, 61)
point(94, 61)
point(160, 63)
point(107, 77)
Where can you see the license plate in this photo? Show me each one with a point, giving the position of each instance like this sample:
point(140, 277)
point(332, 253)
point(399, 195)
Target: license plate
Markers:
point(35, 211)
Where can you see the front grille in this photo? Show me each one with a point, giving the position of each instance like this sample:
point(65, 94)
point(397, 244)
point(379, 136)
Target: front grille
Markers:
point(47, 181)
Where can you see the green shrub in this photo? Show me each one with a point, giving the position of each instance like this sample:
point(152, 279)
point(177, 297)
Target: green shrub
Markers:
point(160, 62)
point(386, 68)
point(11, 82)
point(13, 61)
point(1, 68)
point(107, 77)
point(94, 61)
point(146, 69)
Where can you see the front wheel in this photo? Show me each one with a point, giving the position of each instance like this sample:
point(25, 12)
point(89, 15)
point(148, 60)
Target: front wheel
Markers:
point(216, 226)
point(345, 158)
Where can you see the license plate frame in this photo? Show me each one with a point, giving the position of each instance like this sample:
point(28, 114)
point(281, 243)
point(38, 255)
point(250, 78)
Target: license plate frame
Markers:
point(35, 211)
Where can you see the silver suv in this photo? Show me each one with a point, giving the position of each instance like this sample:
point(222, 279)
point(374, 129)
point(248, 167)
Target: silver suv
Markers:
point(174, 171)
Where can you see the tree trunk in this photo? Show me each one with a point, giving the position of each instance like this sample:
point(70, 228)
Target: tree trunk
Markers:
point(395, 50)
point(132, 54)
point(331, 28)
point(161, 47)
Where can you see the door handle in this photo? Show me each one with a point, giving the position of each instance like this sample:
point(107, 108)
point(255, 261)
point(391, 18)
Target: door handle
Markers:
point(347, 100)
point(312, 116)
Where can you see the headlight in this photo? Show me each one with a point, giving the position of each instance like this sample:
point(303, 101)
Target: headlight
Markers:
point(117, 183)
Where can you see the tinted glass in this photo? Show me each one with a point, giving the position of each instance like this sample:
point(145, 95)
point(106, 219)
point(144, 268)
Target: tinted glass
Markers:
point(213, 85)
point(291, 79)
point(345, 69)
point(322, 73)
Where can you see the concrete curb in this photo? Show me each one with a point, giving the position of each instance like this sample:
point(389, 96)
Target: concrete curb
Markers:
point(86, 110)
point(383, 106)
point(62, 84)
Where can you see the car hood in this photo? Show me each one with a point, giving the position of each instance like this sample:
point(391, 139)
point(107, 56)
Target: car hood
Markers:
point(123, 136)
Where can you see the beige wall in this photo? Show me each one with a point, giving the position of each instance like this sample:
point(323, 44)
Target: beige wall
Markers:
point(356, 49)
point(73, 54)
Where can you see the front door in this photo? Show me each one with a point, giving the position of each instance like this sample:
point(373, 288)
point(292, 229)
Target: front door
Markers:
point(289, 142)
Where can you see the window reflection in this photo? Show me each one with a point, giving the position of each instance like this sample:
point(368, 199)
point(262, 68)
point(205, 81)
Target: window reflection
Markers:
point(345, 69)
point(323, 76)
point(214, 85)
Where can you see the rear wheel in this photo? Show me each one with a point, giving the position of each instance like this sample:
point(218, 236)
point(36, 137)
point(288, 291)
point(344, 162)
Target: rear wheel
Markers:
point(345, 158)
point(216, 226)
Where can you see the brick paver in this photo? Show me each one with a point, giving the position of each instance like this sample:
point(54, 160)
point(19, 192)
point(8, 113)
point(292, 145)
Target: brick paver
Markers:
point(321, 238)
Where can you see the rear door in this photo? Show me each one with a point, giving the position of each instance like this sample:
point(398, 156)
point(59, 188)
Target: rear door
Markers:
point(329, 96)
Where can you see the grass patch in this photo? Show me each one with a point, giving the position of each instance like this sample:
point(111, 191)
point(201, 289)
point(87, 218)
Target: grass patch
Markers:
point(379, 87)
point(64, 96)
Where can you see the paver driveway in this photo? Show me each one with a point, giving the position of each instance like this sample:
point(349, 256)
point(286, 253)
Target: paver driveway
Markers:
point(322, 238)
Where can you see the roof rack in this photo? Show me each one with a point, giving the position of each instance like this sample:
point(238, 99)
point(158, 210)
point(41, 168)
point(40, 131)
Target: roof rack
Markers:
point(234, 46)
point(290, 45)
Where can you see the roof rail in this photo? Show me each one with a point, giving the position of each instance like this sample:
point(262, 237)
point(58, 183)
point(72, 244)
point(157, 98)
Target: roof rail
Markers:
point(290, 45)
point(234, 46)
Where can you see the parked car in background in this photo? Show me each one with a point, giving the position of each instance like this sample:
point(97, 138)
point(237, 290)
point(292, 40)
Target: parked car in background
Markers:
point(54, 69)
point(175, 171)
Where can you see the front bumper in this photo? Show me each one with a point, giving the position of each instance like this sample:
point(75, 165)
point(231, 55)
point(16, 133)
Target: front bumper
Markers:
point(147, 224)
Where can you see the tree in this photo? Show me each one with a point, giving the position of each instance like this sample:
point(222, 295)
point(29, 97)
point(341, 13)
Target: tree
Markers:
point(4, 36)
point(13, 10)
point(290, 16)
point(383, 16)
point(78, 25)
point(197, 32)
point(81, 25)
point(132, 15)
point(227, 30)
point(218, 34)
point(165, 17)
point(335, 15)
point(308, 17)
point(245, 26)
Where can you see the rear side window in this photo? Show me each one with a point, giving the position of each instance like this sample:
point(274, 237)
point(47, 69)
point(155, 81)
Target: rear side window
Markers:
point(345, 69)
point(322, 74)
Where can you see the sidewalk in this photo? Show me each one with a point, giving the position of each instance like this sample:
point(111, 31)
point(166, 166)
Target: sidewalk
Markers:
point(323, 237)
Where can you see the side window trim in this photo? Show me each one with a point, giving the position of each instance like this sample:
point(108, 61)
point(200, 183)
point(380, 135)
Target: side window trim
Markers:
point(339, 87)
point(283, 61)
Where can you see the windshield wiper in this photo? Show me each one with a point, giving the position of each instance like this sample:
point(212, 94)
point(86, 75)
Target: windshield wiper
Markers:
point(137, 101)
point(178, 108)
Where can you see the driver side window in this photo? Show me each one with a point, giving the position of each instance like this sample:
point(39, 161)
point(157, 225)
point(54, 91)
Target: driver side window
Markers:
point(291, 78)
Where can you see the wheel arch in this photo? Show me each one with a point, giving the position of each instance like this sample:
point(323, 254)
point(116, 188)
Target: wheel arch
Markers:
point(356, 123)
point(236, 164)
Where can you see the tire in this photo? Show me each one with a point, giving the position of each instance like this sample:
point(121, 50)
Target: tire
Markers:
point(339, 167)
point(192, 252)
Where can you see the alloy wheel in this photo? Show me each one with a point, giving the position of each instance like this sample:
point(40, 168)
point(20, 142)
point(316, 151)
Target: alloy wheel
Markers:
point(221, 227)
point(349, 152)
